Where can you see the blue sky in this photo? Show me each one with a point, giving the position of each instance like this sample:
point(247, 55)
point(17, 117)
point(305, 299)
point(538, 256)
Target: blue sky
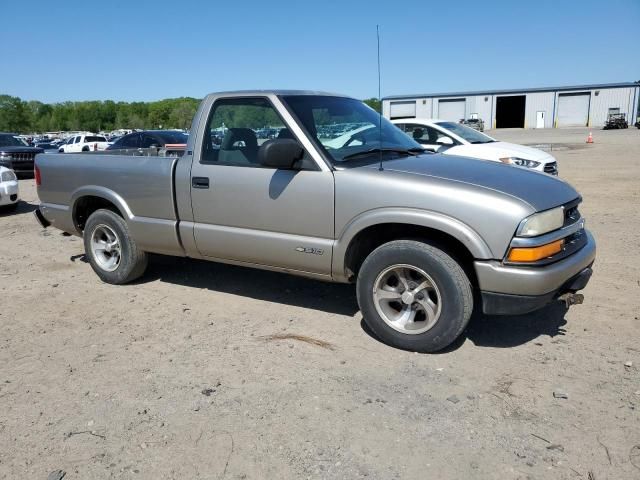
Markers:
point(148, 50)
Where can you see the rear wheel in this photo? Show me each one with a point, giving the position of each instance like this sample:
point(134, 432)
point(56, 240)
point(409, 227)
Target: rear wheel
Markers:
point(111, 251)
point(414, 296)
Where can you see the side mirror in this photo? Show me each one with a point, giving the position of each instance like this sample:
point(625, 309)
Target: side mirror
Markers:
point(281, 153)
point(444, 141)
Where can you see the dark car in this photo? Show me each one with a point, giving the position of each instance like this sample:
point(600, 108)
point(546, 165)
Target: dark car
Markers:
point(14, 154)
point(47, 146)
point(150, 142)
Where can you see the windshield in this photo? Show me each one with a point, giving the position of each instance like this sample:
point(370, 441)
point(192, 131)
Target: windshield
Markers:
point(11, 141)
point(469, 134)
point(347, 129)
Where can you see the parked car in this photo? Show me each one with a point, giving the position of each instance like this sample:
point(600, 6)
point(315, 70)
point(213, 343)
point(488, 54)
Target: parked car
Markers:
point(16, 155)
point(9, 193)
point(149, 142)
point(47, 146)
point(451, 138)
point(420, 234)
point(84, 143)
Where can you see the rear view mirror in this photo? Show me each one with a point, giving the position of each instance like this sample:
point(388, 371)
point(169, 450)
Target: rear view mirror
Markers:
point(280, 153)
point(445, 141)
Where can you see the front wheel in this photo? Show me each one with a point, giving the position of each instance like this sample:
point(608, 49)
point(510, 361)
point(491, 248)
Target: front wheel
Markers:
point(111, 251)
point(414, 296)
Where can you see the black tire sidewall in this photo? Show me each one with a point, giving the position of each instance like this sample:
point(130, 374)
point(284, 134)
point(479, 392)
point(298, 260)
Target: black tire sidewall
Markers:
point(130, 259)
point(452, 284)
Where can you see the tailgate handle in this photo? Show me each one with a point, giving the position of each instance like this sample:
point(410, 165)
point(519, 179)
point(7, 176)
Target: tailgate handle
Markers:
point(200, 182)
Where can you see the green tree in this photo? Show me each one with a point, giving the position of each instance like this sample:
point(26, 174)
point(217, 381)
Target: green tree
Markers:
point(14, 115)
point(374, 103)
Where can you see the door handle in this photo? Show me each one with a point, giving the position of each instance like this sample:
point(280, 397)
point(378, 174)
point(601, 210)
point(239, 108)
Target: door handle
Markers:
point(200, 182)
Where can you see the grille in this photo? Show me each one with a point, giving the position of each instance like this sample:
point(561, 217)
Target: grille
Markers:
point(551, 168)
point(571, 213)
point(23, 157)
point(22, 161)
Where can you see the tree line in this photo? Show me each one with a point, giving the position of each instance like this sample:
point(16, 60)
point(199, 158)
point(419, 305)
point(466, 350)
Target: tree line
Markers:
point(20, 116)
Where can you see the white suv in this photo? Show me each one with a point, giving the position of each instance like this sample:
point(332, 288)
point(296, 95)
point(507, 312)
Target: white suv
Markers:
point(451, 138)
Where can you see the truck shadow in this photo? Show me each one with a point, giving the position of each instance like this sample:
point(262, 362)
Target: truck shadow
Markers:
point(252, 283)
point(511, 331)
point(340, 299)
point(499, 331)
point(23, 207)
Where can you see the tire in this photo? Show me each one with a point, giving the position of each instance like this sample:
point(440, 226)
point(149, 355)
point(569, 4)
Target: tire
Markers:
point(448, 293)
point(85, 149)
point(111, 251)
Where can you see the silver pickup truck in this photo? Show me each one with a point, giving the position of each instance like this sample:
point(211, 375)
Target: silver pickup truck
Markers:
point(300, 182)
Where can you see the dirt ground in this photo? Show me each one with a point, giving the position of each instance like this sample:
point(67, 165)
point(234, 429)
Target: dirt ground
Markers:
point(176, 377)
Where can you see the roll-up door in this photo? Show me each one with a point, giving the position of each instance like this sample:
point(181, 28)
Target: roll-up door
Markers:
point(452, 110)
point(573, 109)
point(403, 109)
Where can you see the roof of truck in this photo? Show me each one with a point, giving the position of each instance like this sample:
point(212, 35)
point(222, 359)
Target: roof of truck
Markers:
point(275, 92)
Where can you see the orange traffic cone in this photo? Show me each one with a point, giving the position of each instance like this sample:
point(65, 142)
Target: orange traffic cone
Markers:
point(590, 138)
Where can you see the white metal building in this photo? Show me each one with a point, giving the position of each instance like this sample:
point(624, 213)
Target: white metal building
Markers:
point(582, 105)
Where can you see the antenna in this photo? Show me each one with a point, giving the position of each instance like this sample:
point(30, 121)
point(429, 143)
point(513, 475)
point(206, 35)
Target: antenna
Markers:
point(379, 99)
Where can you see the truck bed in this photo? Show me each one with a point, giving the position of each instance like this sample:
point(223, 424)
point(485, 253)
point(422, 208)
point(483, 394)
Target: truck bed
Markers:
point(141, 187)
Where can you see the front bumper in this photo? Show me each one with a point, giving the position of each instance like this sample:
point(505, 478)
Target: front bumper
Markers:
point(9, 193)
point(505, 304)
point(513, 290)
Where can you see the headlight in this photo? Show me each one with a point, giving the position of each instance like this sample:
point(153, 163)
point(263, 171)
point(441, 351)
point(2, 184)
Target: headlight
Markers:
point(540, 223)
point(521, 162)
point(8, 176)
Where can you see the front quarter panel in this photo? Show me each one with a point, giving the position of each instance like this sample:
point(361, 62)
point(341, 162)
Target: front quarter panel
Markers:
point(481, 219)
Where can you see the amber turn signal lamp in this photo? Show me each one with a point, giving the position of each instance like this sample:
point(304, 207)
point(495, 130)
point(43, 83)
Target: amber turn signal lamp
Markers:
point(534, 254)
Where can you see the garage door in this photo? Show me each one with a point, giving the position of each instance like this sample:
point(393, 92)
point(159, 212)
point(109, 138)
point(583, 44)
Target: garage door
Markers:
point(403, 110)
point(452, 110)
point(573, 109)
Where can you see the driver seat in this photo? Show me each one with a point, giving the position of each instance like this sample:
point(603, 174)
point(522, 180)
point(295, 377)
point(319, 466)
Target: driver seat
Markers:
point(239, 146)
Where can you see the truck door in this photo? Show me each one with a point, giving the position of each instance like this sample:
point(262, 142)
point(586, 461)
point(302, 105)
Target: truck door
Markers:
point(249, 213)
point(75, 146)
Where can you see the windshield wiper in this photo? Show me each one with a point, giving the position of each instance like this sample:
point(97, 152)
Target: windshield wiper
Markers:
point(479, 142)
point(407, 151)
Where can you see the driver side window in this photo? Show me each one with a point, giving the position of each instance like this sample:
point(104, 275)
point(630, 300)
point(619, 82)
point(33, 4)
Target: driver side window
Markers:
point(238, 128)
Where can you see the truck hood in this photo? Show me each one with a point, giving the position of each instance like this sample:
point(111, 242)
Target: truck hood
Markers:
point(497, 150)
point(539, 190)
point(21, 150)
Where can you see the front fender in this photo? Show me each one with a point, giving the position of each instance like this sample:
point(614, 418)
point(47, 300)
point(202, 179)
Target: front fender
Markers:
point(437, 221)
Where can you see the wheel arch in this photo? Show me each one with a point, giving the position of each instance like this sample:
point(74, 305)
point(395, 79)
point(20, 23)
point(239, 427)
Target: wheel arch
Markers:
point(372, 229)
point(88, 199)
